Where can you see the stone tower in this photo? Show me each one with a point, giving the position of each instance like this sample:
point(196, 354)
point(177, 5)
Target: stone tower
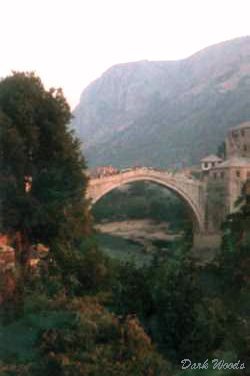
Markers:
point(225, 181)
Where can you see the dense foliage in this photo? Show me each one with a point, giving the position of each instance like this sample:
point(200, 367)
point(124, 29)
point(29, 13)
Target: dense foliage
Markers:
point(42, 190)
point(84, 313)
point(168, 298)
point(41, 183)
point(235, 271)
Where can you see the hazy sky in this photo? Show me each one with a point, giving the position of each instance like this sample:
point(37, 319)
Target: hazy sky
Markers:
point(69, 43)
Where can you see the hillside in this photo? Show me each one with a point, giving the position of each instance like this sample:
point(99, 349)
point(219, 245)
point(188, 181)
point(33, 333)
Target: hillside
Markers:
point(165, 113)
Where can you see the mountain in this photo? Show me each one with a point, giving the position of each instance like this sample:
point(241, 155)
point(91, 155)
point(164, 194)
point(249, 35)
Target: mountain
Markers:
point(165, 113)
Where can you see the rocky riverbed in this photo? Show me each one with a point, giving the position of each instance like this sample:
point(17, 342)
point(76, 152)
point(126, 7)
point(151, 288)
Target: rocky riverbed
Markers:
point(144, 231)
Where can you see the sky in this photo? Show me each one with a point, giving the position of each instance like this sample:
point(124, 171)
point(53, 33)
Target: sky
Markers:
point(70, 43)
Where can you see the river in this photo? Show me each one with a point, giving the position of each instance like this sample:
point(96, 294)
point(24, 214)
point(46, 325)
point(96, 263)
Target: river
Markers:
point(135, 240)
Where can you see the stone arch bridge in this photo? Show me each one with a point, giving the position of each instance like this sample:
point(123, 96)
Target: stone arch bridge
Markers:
point(191, 191)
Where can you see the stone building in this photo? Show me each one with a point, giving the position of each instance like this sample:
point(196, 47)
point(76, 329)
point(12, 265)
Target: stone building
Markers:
point(209, 162)
point(232, 174)
point(226, 179)
point(238, 141)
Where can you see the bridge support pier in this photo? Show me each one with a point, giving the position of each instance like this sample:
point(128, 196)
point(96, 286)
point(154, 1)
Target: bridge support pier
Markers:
point(203, 241)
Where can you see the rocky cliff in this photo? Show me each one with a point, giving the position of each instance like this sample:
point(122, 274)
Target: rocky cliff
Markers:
point(165, 113)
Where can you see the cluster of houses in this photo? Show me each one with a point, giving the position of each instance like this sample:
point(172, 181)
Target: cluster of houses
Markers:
point(100, 172)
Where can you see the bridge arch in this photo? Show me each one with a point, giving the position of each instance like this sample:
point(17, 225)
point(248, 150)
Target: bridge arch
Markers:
point(102, 186)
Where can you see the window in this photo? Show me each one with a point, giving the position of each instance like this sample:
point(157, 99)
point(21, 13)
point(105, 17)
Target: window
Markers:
point(238, 174)
point(242, 133)
point(222, 175)
point(213, 164)
point(245, 147)
point(205, 165)
point(214, 175)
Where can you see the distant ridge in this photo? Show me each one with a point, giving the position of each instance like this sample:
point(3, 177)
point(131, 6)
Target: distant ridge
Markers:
point(165, 113)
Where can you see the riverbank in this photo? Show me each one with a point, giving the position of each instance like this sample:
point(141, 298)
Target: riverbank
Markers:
point(144, 237)
point(143, 231)
point(135, 240)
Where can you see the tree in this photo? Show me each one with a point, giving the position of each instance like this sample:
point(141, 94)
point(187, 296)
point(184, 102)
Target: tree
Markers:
point(42, 184)
point(93, 341)
point(168, 298)
point(221, 151)
point(234, 266)
point(237, 225)
point(234, 258)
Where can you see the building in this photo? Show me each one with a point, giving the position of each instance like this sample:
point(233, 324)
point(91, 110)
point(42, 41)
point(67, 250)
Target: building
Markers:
point(209, 162)
point(225, 179)
point(232, 174)
point(238, 141)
